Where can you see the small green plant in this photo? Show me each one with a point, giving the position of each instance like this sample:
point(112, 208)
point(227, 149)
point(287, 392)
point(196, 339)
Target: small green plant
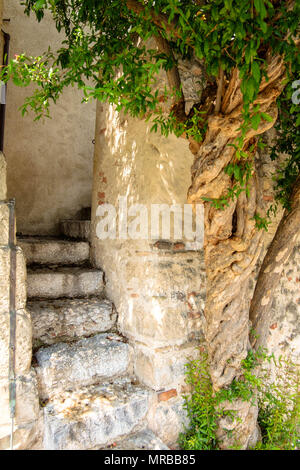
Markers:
point(278, 402)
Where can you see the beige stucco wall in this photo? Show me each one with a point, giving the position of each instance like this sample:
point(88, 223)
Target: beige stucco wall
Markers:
point(49, 163)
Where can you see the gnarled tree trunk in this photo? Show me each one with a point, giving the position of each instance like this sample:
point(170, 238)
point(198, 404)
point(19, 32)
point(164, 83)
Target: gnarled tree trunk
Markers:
point(232, 242)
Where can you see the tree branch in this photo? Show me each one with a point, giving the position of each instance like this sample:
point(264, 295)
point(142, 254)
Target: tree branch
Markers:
point(220, 90)
point(159, 19)
point(172, 74)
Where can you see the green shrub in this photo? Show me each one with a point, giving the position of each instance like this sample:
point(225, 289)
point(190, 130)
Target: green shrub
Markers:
point(278, 401)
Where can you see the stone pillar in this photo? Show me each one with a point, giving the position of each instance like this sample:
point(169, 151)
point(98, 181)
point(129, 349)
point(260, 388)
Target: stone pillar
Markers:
point(27, 403)
point(157, 285)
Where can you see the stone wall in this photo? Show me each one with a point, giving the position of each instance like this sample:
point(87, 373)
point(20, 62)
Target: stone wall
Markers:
point(1, 35)
point(27, 403)
point(50, 161)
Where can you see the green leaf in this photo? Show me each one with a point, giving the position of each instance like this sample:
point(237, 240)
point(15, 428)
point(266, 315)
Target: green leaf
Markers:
point(39, 4)
point(255, 121)
point(266, 117)
point(256, 72)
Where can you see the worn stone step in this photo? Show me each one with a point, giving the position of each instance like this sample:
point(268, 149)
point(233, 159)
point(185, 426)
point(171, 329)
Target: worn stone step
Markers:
point(142, 440)
point(95, 415)
point(55, 282)
point(69, 366)
point(54, 251)
point(69, 319)
point(77, 229)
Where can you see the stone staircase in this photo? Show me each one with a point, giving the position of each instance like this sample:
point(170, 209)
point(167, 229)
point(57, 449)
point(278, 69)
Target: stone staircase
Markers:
point(89, 397)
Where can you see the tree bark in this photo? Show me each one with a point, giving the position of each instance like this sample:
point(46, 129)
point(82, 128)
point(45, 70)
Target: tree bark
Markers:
point(278, 253)
point(232, 243)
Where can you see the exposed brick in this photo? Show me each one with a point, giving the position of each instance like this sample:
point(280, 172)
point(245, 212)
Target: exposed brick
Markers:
point(179, 246)
point(267, 197)
point(163, 245)
point(273, 326)
point(164, 396)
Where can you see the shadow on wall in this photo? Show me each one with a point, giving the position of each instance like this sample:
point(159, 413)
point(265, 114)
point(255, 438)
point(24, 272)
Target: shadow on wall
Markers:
point(49, 162)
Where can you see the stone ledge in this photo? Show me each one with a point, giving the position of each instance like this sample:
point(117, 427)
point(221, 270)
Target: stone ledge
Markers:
point(95, 416)
point(64, 282)
point(54, 251)
point(69, 319)
point(64, 366)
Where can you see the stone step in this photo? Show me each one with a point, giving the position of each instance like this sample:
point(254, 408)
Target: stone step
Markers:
point(142, 440)
point(69, 366)
point(78, 229)
point(54, 251)
point(95, 416)
point(69, 319)
point(55, 282)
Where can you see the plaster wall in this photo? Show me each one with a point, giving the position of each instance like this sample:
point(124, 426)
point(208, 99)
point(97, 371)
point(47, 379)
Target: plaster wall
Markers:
point(49, 161)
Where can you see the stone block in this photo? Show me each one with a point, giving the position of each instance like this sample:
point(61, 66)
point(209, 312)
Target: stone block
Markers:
point(54, 251)
point(23, 343)
point(5, 279)
point(164, 310)
point(77, 229)
point(4, 223)
point(64, 282)
point(95, 416)
point(27, 411)
point(163, 369)
point(167, 420)
point(64, 366)
point(68, 319)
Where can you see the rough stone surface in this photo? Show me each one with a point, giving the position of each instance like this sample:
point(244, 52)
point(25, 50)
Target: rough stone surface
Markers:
point(4, 222)
point(157, 285)
point(53, 251)
point(5, 279)
point(2, 174)
point(163, 368)
point(78, 229)
point(95, 416)
point(159, 296)
point(66, 366)
point(243, 428)
point(27, 411)
point(142, 440)
point(167, 420)
point(69, 319)
point(64, 282)
point(23, 342)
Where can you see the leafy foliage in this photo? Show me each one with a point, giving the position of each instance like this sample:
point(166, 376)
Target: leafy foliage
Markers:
point(278, 402)
point(105, 55)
